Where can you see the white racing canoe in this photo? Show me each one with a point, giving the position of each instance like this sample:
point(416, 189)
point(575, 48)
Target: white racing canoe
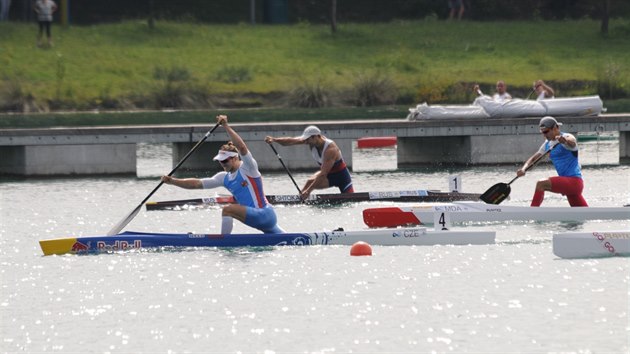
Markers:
point(591, 244)
point(417, 236)
point(482, 212)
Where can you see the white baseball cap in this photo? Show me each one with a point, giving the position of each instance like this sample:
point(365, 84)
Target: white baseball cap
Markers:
point(309, 132)
point(224, 155)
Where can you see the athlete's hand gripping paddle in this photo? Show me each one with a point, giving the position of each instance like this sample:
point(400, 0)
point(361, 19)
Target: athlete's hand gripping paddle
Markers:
point(500, 191)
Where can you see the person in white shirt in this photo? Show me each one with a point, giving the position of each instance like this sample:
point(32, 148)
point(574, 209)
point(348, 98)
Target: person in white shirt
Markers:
point(45, 10)
point(543, 90)
point(500, 96)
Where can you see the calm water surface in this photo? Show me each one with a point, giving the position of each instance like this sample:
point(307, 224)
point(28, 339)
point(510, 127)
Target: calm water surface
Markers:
point(515, 296)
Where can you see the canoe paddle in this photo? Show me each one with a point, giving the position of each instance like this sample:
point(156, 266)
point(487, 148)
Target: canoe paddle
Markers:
point(500, 191)
point(116, 229)
point(286, 169)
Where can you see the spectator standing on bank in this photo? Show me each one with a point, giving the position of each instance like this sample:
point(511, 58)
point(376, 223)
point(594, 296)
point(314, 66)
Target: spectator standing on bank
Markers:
point(5, 5)
point(456, 6)
point(45, 10)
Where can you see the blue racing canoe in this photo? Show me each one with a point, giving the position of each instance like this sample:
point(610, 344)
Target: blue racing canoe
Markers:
point(130, 240)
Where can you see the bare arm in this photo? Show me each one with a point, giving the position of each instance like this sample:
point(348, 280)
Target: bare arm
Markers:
point(477, 90)
point(546, 88)
point(284, 141)
point(330, 156)
point(236, 139)
point(567, 139)
point(186, 183)
point(521, 171)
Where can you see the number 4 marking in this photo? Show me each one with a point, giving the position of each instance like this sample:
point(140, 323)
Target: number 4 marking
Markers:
point(442, 221)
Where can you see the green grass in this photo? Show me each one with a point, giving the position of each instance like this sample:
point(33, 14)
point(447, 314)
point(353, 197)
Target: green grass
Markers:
point(90, 64)
point(43, 120)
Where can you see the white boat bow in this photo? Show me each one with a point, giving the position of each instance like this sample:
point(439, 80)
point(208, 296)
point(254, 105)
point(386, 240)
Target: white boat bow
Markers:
point(482, 212)
point(592, 244)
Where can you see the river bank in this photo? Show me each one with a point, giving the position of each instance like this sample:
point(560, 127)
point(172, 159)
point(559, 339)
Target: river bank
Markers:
point(127, 66)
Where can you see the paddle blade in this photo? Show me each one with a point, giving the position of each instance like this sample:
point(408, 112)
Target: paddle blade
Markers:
point(389, 217)
point(121, 225)
point(496, 194)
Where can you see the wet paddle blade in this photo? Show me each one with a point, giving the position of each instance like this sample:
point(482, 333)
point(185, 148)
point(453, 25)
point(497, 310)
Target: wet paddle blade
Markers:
point(496, 194)
point(121, 225)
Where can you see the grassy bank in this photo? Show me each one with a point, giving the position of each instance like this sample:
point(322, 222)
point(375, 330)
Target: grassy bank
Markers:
point(127, 66)
point(78, 119)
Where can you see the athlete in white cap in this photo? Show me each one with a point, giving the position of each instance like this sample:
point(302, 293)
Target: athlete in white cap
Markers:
point(242, 178)
point(333, 170)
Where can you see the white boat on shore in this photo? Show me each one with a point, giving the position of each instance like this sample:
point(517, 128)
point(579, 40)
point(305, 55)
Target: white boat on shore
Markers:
point(482, 212)
point(592, 244)
point(486, 107)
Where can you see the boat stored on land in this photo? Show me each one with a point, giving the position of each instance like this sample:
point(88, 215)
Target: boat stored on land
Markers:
point(487, 107)
point(421, 195)
point(592, 244)
point(418, 236)
point(478, 211)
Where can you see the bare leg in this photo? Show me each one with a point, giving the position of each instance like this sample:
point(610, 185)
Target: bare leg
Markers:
point(236, 211)
point(40, 34)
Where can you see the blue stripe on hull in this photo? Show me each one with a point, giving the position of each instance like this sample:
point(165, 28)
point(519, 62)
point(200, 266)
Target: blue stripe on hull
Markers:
point(139, 240)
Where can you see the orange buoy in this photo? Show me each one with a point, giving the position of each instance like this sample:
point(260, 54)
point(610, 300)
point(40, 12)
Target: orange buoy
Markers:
point(361, 249)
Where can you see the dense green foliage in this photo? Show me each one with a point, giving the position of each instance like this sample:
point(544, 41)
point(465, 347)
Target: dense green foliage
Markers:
point(79, 119)
point(318, 11)
point(184, 65)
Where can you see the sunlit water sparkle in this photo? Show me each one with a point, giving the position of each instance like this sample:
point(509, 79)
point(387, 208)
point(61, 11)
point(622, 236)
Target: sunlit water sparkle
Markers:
point(514, 296)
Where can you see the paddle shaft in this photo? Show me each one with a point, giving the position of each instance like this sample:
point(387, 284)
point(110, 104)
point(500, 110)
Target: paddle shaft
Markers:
point(181, 162)
point(118, 227)
point(534, 163)
point(286, 169)
point(497, 193)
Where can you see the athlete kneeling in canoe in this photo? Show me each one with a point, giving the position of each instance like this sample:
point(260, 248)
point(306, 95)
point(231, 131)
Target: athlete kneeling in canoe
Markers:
point(242, 178)
point(565, 160)
point(333, 170)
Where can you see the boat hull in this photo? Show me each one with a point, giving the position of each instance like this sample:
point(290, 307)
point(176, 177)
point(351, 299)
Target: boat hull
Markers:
point(420, 195)
point(482, 212)
point(130, 240)
point(592, 244)
point(376, 142)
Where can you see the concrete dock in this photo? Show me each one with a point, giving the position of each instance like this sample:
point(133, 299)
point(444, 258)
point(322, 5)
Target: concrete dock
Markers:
point(112, 149)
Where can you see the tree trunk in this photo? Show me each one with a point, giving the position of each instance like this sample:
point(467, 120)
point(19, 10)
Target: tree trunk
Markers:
point(151, 14)
point(333, 16)
point(605, 16)
point(252, 12)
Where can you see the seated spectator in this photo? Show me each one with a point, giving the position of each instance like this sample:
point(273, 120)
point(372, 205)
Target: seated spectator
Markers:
point(500, 96)
point(543, 90)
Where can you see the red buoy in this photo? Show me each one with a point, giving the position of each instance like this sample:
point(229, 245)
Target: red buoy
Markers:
point(361, 249)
